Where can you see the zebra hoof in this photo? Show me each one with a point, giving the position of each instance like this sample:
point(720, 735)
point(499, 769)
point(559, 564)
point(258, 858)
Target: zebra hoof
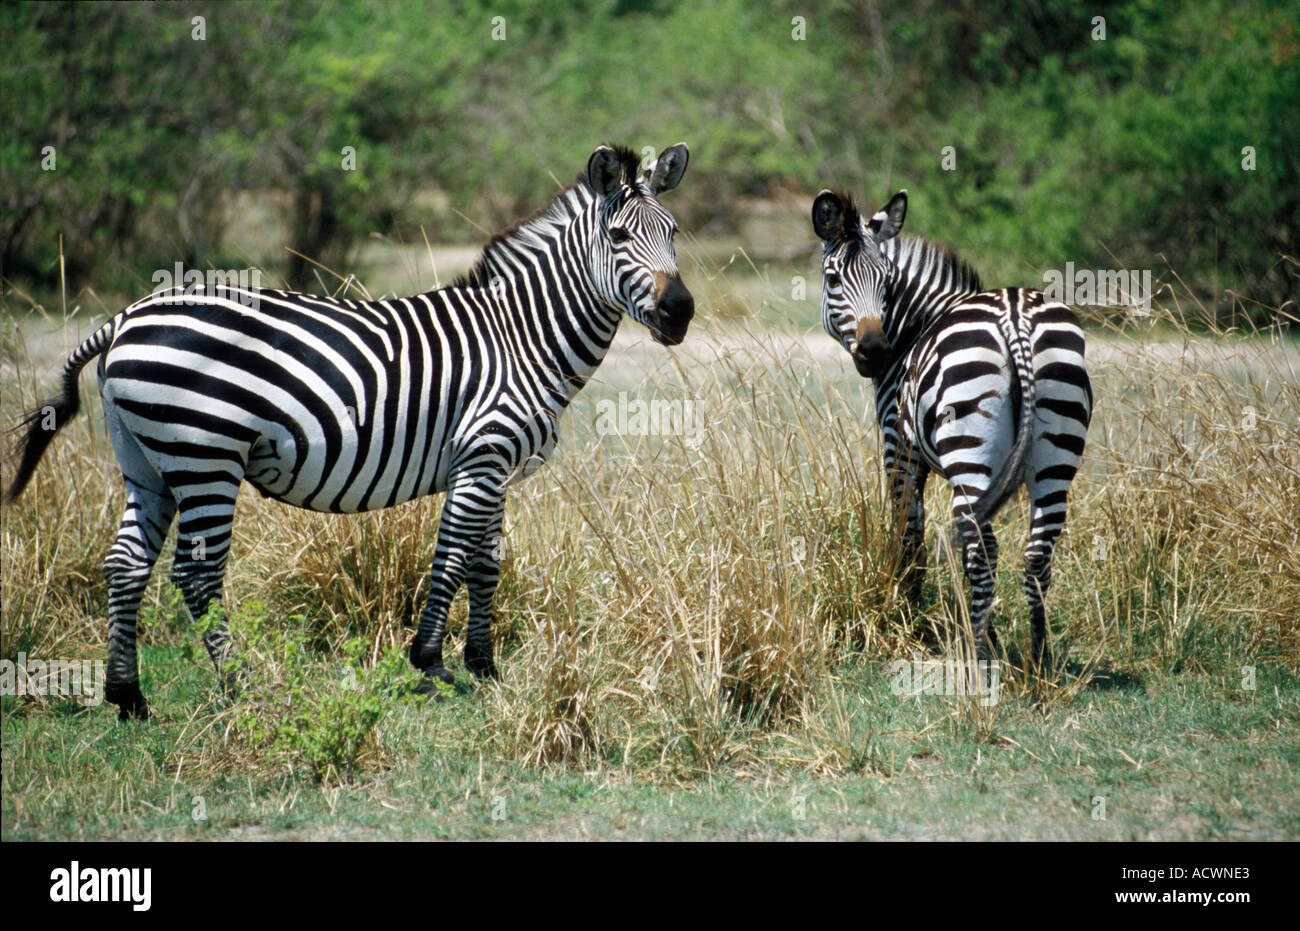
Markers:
point(479, 661)
point(235, 679)
point(433, 680)
point(129, 700)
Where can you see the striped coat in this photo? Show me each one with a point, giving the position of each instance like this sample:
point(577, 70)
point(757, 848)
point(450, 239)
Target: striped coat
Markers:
point(346, 406)
point(987, 388)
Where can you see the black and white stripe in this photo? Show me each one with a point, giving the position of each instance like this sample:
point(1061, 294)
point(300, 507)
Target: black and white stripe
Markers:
point(986, 388)
point(347, 406)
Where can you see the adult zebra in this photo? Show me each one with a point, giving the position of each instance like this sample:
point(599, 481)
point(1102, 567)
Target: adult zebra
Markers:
point(346, 406)
point(987, 388)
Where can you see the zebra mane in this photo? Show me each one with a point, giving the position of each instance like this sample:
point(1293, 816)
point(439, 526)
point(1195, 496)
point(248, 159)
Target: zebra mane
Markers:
point(850, 232)
point(630, 164)
point(539, 226)
point(937, 269)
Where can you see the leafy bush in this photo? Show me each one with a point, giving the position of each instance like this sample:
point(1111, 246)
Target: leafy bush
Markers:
point(311, 714)
point(1123, 150)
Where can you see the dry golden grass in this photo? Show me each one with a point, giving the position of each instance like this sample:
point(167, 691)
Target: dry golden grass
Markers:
point(675, 608)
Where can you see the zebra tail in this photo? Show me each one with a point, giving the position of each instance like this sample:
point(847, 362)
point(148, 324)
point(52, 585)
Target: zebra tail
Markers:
point(1023, 388)
point(49, 418)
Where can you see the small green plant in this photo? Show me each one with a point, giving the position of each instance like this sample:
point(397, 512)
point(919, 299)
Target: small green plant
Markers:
point(312, 712)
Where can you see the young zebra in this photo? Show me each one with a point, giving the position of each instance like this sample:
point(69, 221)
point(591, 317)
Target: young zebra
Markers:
point(987, 388)
point(347, 406)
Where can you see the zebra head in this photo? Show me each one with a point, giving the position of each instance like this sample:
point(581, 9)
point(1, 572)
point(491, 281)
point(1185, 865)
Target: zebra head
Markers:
point(856, 275)
point(633, 264)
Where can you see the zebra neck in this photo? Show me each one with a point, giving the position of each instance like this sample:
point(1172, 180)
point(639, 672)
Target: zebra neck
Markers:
point(563, 329)
point(930, 281)
point(907, 321)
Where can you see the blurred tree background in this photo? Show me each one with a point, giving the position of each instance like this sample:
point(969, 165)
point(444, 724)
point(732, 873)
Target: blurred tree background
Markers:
point(1171, 143)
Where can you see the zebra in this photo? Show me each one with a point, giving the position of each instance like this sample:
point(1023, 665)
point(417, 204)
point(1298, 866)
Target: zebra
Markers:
point(344, 406)
point(985, 387)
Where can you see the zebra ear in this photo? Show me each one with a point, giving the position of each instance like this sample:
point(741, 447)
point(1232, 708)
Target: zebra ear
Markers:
point(889, 221)
point(669, 168)
point(604, 171)
point(828, 216)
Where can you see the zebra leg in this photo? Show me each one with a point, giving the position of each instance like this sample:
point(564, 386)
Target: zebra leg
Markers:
point(481, 580)
point(202, 549)
point(127, 568)
point(1047, 519)
point(979, 557)
point(472, 506)
point(908, 486)
point(1038, 576)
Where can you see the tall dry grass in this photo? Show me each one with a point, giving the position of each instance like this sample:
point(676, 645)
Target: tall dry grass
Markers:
point(677, 607)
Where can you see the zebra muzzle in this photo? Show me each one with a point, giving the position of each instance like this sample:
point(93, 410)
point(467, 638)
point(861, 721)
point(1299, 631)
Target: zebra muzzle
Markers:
point(673, 312)
point(872, 354)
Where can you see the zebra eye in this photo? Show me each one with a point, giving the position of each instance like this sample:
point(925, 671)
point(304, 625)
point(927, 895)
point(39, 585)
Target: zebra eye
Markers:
point(832, 280)
point(618, 234)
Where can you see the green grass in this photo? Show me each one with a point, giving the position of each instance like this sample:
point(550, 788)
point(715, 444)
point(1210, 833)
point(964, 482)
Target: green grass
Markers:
point(695, 640)
point(1175, 758)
